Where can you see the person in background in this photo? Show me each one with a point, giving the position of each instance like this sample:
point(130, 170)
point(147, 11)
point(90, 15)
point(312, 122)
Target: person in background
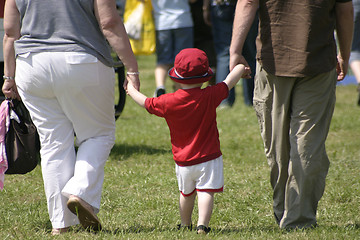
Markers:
point(58, 61)
point(120, 6)
point(219, 14)
point(294, 95)
point(174, 32)
point(203, 38)
point(355, 48)
point(190, 113)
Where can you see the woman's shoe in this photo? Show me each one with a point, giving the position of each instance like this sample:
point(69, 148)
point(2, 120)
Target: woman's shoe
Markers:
point(58, 231)
point(85, 213)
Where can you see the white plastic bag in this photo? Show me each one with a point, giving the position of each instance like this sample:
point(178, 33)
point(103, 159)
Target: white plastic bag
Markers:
point(133, 23)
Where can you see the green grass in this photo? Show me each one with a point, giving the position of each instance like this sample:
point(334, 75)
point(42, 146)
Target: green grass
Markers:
point(140, 196)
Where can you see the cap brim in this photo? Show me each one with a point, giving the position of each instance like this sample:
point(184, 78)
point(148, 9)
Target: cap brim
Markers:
point(190, 80)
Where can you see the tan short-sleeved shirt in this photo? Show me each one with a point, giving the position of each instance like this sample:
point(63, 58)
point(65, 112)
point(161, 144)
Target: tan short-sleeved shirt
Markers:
point(296, 38)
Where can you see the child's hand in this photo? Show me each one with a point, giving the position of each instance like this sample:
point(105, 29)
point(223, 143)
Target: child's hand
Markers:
point(133, 79)
point(138, 97)
point(130, 88)
point(236, 74)
point(127, 88)
point(239, 71)
point(247, 73)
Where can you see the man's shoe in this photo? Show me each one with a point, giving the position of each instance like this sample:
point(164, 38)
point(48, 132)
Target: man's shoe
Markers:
point(84, 212)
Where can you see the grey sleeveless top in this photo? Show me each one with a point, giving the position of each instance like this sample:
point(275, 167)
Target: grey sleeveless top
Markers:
point(61, 26)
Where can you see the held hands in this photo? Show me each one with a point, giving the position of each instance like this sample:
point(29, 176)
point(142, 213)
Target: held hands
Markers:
point(132, 78)
point(129, 88)
point(133, 91)
point(240, 60)
point(246, 73)
point(238, 72)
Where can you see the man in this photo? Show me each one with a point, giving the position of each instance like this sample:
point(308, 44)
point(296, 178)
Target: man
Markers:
point(294, 94)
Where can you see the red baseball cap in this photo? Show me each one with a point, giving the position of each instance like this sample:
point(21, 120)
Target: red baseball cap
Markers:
point(191, 66)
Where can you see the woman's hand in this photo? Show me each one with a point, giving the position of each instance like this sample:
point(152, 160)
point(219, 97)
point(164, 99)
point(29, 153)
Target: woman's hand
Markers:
point(10, 90)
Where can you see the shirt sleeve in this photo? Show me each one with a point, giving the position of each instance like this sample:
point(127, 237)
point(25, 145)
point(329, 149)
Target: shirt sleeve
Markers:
point(155, 106)
point(221, 91)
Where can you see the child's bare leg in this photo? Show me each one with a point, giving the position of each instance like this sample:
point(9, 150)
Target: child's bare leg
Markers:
point(205, 205)
point(186, 205)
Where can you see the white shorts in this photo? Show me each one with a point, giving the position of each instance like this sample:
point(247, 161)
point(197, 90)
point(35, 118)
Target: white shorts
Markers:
point(203, 177)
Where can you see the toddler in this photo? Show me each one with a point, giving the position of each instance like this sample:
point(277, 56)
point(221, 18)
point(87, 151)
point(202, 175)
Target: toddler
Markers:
point(190, 113)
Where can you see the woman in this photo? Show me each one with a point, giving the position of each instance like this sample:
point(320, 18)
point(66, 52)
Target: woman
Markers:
point(58, 62)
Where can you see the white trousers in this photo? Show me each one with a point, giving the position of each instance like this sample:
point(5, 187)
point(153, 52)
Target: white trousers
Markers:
point(66, 94)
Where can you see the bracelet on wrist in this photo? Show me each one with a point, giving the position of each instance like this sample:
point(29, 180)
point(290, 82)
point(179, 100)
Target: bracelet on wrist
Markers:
point(8, 78)
point(132, 73)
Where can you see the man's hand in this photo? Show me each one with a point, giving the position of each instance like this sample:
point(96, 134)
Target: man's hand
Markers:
point(341, 68)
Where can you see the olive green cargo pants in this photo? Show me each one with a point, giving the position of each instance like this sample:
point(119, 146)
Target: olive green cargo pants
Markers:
point(294, 116)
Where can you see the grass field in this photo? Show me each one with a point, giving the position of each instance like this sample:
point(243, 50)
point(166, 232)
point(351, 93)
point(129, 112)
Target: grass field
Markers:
point(140, 196)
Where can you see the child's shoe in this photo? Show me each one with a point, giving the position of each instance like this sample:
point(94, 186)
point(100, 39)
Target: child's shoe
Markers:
point(201, 229)
point(182, 227)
